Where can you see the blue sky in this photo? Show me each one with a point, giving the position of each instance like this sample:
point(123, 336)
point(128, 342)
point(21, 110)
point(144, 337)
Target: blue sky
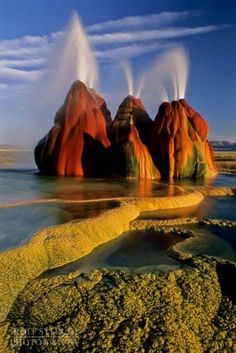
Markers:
point(137, 30)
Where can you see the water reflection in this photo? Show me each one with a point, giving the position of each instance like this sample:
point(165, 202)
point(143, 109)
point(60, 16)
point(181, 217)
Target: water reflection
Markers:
point(19, 181)
point(18, 184)
point(25, 185)
point(218, 180)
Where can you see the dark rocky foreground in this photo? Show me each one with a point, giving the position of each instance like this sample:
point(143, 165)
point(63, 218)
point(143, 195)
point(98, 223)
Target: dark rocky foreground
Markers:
point(187, 310)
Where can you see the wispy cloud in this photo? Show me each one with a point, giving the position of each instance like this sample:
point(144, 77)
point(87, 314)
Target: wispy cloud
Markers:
point(21, 47)
point(22, 59)
point(140, 36)
point(26, 40)
point(132, 50)
point(11, 74)
point(23, 52)
point(163, 18)
point(22, 62)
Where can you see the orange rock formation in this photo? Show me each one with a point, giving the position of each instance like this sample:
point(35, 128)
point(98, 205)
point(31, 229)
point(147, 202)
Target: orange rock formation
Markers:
point(179, 144)
point(175, 145)
point(78, 141)
point(130, 136)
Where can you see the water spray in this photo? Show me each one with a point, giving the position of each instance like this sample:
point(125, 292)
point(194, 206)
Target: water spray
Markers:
point(172, 69)
point(126, 66)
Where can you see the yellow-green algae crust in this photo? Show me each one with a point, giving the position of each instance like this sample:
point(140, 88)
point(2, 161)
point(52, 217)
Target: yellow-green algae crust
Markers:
point(186, 311)
point(58, 245)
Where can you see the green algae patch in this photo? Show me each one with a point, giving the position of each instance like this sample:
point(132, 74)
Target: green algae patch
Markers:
point(59, 245)
point(189, 310)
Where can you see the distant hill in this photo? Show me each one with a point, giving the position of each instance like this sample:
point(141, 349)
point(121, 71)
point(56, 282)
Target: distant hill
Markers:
point(224, 145)
point(12, 147)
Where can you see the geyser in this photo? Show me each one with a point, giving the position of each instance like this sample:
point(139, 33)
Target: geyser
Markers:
point(70, 57)
point(167, 77)
point(130, 138)
point(180, 148)
point(84, 141)
point(128, 72)
point(176, 62)
point(77, 143)
point(129, 76)
point(76, 59)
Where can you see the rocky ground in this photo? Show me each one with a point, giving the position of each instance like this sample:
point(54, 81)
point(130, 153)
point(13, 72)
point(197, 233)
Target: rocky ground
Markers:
point(191, 309)
point(187, 310)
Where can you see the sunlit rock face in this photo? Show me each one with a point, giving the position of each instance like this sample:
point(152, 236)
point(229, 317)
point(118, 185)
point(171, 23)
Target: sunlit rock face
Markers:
point(179, 144)
point(132, 107)
point(103, 106)
point(130, 135)
point(77, 143)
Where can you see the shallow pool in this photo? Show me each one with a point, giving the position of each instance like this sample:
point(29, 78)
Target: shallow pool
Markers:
point(148, 251)
point(18, 224)
point(134, 250)
point(213, 241)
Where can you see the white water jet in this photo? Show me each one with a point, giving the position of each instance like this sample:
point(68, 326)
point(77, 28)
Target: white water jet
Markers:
point(128, 75)
point(167, 77)
point(140, 86)
point(70, 58)
point(164, 95)
point(127, 68)
point(76, 59)
point(173, 68)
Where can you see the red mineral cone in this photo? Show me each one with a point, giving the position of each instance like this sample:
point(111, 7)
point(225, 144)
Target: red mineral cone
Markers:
point(103, 106)
point(179, 144)
point(134, 107)
point(130, 136)
point(78, 138)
